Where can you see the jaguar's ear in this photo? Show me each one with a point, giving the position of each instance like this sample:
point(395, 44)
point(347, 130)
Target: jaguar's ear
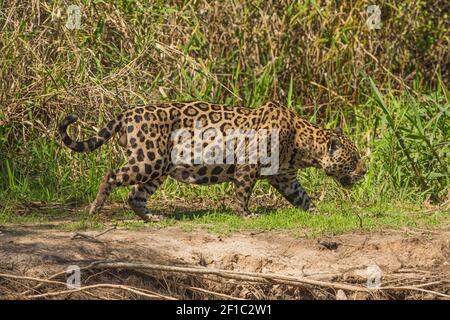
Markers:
point(333, 144)
point(338, 130)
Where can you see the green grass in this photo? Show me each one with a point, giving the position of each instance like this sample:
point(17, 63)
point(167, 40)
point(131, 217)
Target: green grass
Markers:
point(332, 220)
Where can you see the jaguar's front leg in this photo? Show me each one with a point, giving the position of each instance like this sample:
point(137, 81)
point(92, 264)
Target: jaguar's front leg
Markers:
point(290, 188)
point(244, 180)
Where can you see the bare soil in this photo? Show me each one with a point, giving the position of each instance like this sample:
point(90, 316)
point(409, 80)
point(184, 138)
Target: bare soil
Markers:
point(405, 257)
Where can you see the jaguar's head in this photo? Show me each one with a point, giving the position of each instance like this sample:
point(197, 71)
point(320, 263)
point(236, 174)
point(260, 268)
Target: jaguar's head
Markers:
point(342, 161)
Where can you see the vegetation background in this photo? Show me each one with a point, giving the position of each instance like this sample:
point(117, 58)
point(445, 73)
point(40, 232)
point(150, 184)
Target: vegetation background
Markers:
point(386, 87)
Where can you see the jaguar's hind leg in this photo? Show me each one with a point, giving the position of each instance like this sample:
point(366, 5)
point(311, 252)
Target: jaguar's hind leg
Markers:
point(137, 199)
point(125, 176)
point(105, 188)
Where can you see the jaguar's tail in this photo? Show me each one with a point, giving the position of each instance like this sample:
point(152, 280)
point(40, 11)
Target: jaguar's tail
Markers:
point(92, 143)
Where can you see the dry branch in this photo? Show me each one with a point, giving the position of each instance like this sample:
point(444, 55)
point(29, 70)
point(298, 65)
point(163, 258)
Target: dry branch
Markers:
point(11, 276)
point(261, 277)
point(79, 235)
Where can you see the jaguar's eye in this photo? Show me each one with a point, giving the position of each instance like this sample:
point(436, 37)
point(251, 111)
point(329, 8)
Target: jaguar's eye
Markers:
point(354, 162)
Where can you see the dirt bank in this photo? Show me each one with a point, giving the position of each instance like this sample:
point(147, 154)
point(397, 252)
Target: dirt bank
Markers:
point(408, 257)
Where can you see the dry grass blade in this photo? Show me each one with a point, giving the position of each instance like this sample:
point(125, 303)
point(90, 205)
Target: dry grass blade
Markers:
point(102, 285)
point(215, 294)
point(197, 66)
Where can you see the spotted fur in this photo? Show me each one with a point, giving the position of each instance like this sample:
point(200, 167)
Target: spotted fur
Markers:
point(145, 132)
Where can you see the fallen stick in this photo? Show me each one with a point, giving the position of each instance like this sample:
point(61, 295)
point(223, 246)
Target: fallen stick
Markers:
point(85, 236)
point(418, 288)
point(78, 235)
point(11, 276)
point(103, 232)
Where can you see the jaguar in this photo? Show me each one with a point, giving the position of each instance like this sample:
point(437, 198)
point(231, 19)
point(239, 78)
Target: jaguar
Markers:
point(285, 143)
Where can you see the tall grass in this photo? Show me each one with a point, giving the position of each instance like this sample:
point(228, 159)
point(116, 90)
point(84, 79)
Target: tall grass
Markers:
point(313, 56)
point(420, 133)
